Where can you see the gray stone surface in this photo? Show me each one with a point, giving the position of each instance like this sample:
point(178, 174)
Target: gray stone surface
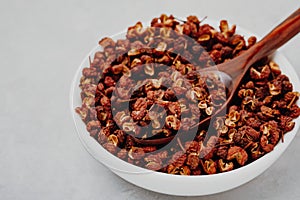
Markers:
point(41, 45)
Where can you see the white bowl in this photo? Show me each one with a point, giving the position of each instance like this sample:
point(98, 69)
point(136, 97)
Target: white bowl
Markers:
point(175, 184)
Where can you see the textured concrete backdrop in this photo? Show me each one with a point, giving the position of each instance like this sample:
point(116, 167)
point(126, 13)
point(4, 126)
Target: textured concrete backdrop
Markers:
point(41, 45)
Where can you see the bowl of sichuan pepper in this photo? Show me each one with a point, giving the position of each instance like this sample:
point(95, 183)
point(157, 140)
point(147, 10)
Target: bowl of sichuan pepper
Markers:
point(137, 99)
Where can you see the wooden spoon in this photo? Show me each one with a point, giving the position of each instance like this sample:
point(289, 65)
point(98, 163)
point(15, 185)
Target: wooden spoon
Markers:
point(238, 67)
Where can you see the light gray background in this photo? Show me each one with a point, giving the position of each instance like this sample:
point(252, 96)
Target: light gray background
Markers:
point(41, 45)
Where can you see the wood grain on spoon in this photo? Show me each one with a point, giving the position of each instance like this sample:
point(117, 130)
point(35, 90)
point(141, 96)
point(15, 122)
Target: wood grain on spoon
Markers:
point(238, 67)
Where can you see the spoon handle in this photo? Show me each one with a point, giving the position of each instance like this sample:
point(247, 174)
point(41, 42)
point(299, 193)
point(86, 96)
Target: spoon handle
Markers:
point(278, 36)
point(272, 41)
